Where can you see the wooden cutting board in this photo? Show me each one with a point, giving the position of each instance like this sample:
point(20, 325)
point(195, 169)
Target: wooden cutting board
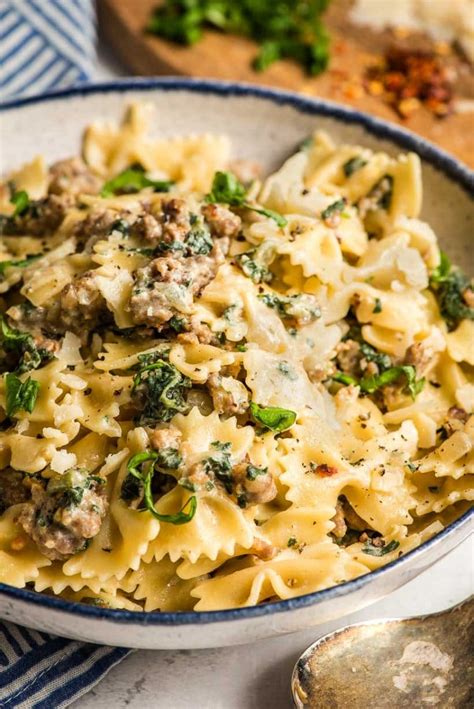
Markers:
point(220, 56)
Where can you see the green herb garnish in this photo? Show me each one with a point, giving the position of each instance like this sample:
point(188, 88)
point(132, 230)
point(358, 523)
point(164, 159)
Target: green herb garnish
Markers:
point(333, 209)
point(18, 263)
point(131, 180)
point(21, 201)
point(122, 226)
point(177, 323)
point(382, 191)
point(442, 270)
point(254, 471)
point(257, 272)
point(353, 165)
point(369, 385)
point(372, 550)
point(20, 396)
point(381, 359)
point(219, 464)
point(273, 417)
point(292, 306)
point(11, 338)
point(346, 379)
point(199, 240)
point(72, 485)
point(226, 189)
point(449, 285)
point(145, 478)
point(377, 306)
point(30, 356)
point(159, 387)
point(169, 458)
point(282, 29)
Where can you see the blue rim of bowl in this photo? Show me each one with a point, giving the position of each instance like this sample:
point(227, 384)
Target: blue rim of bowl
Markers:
point(439, 159)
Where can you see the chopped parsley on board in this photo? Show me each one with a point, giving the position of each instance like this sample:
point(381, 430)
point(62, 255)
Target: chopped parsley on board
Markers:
point(282, 29)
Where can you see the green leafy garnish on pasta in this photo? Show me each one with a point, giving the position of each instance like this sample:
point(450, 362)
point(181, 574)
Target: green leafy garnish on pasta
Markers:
point(371, 384)
point(454, 292)
point(131, 180)
point(20, 396)
point(226, 189)
point(335, 208)
point(29, 355)
point(372, 550)
point(352, 165)
point(144, 476)
point(273, 417)
point(159, 389)
point(21, 200)
point(18, 263)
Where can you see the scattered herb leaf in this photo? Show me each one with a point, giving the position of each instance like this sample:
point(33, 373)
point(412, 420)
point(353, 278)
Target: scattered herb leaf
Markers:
point(226, 189)
point(353, 164)
point(335, 208)
point(18, 263)
point(21, 201)
point(20, 396)
point(158, 389)
point(377, 306)
point(369, 385)
point(131, 180)
point(253, 472)
point(372, 550)
point(273, 417)
point(145, 477)
point(450, 286)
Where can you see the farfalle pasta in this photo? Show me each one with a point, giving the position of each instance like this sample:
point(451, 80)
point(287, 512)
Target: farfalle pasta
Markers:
point(218, 392)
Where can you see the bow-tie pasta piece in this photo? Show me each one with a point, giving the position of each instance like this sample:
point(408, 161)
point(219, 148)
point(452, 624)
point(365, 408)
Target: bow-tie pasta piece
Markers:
point(20, 560)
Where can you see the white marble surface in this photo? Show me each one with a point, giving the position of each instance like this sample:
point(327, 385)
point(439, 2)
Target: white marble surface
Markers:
point(257, 676)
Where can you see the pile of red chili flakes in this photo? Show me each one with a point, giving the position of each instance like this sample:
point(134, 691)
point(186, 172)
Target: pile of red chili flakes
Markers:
point(409, 78)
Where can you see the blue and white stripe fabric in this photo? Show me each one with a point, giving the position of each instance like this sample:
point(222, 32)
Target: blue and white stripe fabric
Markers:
point(40, 671)
point(45, 45)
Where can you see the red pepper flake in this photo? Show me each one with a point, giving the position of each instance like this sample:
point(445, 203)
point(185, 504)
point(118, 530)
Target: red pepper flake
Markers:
point(325, 471)
point(408, 79)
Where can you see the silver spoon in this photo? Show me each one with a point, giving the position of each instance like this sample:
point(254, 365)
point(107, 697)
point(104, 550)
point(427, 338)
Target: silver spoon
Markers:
point(425, 661)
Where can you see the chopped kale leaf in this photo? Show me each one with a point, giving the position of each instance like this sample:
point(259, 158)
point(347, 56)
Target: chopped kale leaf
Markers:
point(352, 165)
point(451, 288)
point(372, 550)
point(227, 189)
point(144, 474)
point(21, 201)
point(131, 180)
point(158, 388)
point(20, 396)
point(273, 417)
point(333, 209)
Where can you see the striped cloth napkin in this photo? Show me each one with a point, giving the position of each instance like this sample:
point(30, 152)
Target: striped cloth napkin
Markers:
point(46, 45)
point(40, 671)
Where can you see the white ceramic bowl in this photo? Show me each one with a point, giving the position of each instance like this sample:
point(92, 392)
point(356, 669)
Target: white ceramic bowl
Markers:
point(264, 125)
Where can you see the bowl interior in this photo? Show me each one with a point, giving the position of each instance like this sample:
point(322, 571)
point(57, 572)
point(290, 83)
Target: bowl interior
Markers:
point(266, 126)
